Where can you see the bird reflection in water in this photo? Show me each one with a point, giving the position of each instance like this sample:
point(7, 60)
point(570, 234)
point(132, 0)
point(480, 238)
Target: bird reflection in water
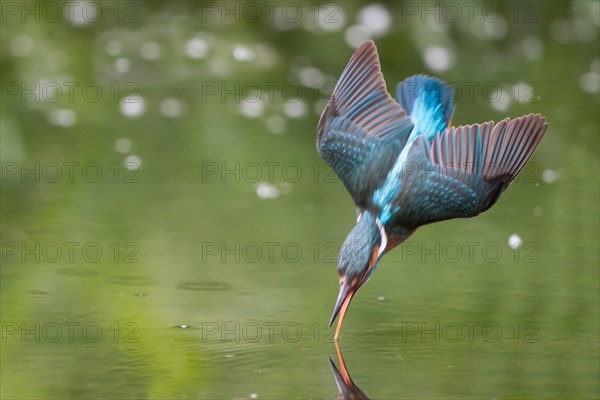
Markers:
point(346, 387)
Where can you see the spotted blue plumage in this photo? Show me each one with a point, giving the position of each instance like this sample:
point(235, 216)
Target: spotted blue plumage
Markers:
point(401, 160)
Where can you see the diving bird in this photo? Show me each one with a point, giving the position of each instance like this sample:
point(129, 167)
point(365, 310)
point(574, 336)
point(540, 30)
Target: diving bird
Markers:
point(406, 166)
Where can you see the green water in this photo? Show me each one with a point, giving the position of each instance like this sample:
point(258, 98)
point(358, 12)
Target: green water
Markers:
point(208, 271)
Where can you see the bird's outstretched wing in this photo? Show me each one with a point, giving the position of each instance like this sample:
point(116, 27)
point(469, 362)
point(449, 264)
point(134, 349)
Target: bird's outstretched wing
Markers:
point(362, 130)
point(462, 171)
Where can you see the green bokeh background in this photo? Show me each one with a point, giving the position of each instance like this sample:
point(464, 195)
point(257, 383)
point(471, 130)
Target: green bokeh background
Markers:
point(168, 230)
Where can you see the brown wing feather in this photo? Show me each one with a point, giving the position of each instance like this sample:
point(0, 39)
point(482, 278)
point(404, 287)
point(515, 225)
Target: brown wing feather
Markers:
point(361, 96)
point(489, 150)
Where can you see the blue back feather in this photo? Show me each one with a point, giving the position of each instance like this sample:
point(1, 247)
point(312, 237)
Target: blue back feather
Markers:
point(429, 103)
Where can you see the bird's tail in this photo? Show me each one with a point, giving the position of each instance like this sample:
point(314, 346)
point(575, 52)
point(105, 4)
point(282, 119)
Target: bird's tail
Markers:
point(428, 101)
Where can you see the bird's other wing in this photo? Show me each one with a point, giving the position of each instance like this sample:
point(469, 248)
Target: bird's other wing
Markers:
point(362, 129)
point(462, 171)
point(429, 103)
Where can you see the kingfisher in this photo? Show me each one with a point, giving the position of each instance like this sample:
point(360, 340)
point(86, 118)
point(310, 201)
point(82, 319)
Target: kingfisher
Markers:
point(405, 165)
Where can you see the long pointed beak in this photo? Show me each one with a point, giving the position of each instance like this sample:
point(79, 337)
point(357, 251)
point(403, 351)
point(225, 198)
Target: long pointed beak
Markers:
point(341, 305)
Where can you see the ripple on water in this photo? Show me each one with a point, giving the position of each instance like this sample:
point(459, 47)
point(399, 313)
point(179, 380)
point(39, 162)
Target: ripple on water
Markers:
point(38, 293)
point(130, 280)
point(77, 271)
point(203, 286)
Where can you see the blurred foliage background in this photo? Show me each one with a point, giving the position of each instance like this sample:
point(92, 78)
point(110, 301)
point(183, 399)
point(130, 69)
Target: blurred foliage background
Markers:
point(161, 197)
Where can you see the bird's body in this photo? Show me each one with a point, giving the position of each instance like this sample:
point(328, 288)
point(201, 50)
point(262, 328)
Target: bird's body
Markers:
point(405, 166)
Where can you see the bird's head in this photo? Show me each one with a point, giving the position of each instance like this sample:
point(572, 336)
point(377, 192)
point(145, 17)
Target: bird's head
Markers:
point(358, 258)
